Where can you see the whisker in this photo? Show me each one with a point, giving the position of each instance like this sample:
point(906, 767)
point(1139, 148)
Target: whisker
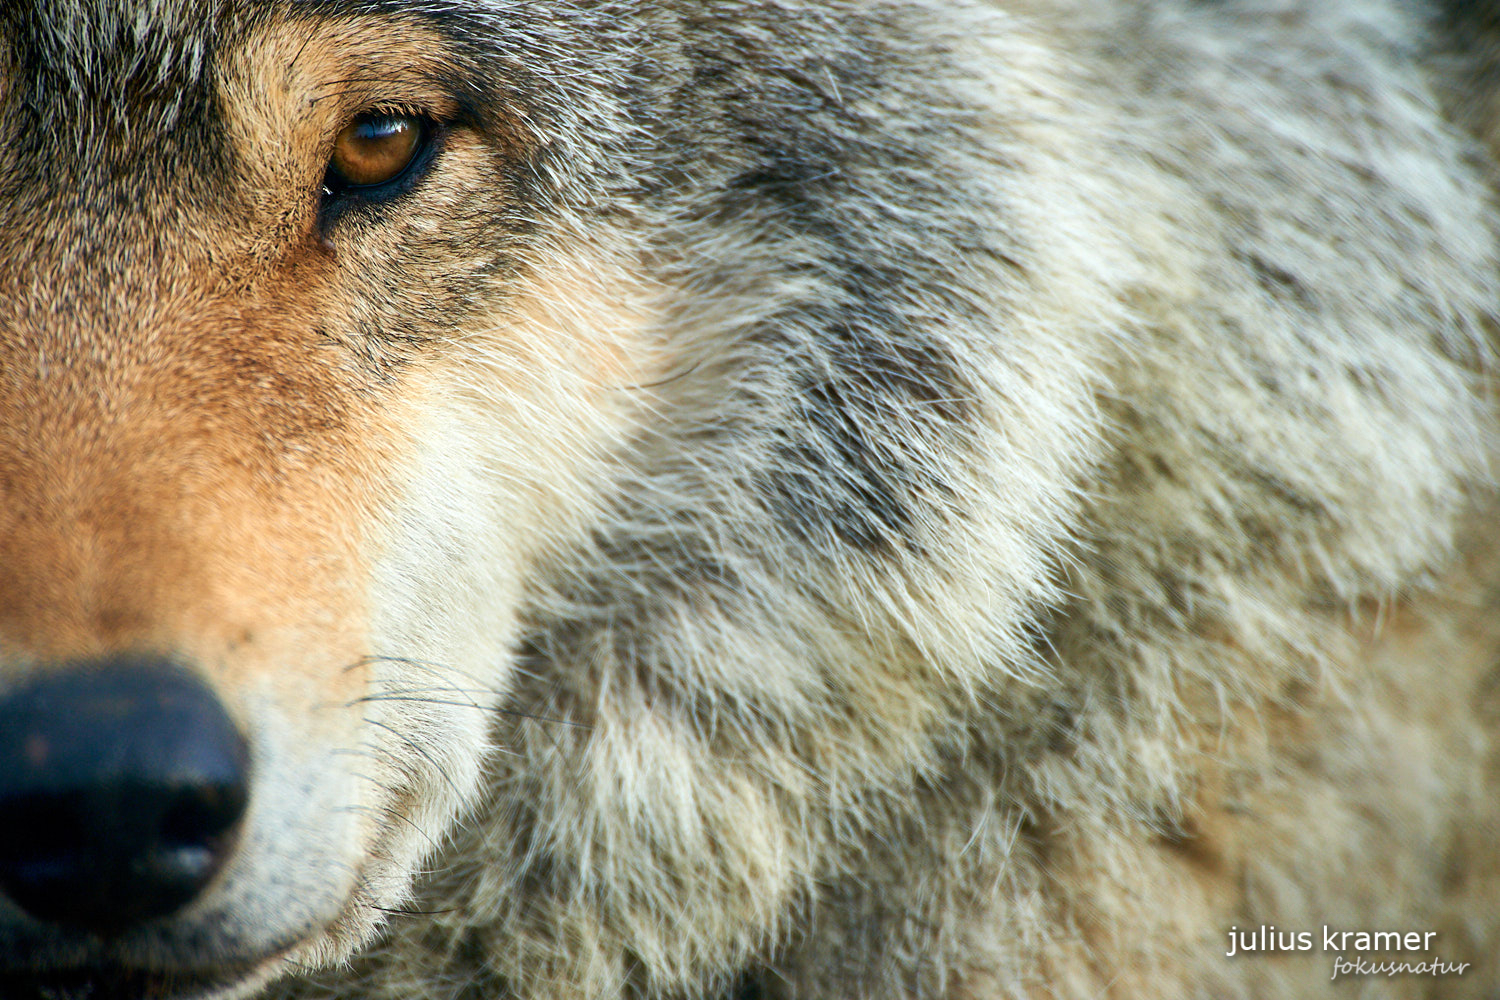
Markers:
point(415, 698)
point(387, 812)
point(426, 665)
point(341, 81)
point(667, 380)
point(424, 700)
point(571, 723)
point(418, 749)
point(301, 49)
point(399, 911)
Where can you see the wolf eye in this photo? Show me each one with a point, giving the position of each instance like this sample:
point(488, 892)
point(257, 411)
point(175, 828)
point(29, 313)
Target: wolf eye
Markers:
point(376, 149)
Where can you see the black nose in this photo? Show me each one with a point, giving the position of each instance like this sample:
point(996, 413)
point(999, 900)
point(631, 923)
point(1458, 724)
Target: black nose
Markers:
point(122, 782)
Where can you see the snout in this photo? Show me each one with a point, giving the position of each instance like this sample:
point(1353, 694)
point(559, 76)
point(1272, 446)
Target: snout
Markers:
point(123, 782)
point(169, 830)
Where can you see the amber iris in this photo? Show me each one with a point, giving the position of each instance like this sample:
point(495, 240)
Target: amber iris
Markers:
point(375, 149)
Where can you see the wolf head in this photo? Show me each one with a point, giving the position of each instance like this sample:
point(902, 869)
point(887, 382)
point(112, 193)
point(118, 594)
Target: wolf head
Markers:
point(632, 360)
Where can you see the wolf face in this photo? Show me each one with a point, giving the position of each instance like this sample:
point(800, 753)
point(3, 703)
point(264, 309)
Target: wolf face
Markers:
point(665, 499)
point(286, 452)
point(259, 423)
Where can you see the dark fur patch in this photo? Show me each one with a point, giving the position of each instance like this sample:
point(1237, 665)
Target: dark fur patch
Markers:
point(864, 356)
point(129, 96)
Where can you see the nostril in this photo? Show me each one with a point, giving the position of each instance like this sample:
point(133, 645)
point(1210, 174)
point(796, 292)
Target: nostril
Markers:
point(122, 784)
point(201, 814)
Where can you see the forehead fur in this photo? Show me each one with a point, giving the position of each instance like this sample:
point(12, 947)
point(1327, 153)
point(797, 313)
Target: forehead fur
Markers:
point(97, 51)
point(101, 89)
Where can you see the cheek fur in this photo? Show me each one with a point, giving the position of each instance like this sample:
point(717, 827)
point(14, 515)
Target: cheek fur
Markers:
point(512, 454)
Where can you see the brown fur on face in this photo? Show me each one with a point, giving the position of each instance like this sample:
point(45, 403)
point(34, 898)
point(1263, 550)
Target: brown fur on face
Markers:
point(217, 388)
point(182, 449)
point(194, 425)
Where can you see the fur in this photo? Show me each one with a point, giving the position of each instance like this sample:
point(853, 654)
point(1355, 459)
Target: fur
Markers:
point(862, 499)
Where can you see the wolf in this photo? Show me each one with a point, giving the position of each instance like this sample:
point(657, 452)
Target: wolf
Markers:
point(707, 499)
